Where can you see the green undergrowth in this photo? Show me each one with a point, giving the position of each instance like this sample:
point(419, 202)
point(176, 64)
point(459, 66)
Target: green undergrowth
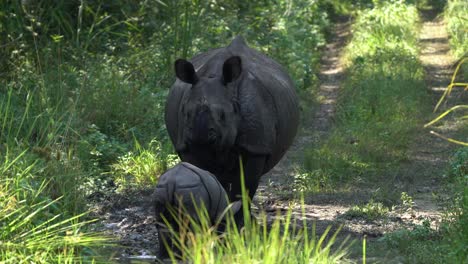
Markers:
point(101, 71)
point(40, 217)
point(455, 17)
point(382, 101)
point(447, 243)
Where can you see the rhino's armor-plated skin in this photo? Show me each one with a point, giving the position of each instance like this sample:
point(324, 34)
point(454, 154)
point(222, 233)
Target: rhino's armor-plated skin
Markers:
point(261, 127)
point(186, 188)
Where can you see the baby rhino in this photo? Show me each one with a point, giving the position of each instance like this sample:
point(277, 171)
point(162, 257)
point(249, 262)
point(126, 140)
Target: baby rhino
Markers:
point(180, 192)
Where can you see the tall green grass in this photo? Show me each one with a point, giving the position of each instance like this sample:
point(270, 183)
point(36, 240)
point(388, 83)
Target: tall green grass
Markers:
point(382, 100)
point(42, 213)
point(286, 240)
point(283, 241)
point(41, 224)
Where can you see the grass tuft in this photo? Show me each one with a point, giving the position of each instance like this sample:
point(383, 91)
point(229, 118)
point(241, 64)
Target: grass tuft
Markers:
point(285, 240)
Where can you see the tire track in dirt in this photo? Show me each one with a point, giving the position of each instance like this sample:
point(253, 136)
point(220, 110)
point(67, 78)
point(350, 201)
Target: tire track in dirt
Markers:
point(428, 154)
point(276, 188)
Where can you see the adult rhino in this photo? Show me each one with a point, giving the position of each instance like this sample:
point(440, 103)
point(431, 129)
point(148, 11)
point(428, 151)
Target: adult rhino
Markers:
point(228, 102)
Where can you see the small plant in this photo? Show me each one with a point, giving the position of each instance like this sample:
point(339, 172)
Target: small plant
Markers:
point(370, 211)
point(98, 149)
point(406, 201)
point(312, 182)
point(419, 245)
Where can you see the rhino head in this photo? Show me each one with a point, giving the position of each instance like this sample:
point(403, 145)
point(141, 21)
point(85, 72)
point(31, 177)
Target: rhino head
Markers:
point(210, 111)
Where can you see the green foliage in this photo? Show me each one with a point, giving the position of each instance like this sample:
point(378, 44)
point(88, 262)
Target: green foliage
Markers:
point(42, 207)
point(143, 166)
point(456, 225)
point(459, 165)
point(354, 7)
point(419, 245)
point(455, 16)
point(382, 101)
point(312, 182)
point(33, 233)
point(406, 201)
point(370, 211)
point(82, 92)
point(388, 30)
point(255, 244)
point(41, 215)
point(98, 149)
point(447, 244)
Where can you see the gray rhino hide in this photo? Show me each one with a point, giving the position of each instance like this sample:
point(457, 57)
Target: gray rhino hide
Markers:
point(186, 186)
point(267, 101)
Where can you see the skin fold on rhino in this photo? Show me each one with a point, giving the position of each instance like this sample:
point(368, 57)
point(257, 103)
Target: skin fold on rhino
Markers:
point(228, 102)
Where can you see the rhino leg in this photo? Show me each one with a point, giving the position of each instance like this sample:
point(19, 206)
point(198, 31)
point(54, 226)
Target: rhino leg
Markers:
point(253, 169)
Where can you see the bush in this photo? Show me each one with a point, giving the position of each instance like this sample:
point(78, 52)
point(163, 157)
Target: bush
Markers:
point(143, 167)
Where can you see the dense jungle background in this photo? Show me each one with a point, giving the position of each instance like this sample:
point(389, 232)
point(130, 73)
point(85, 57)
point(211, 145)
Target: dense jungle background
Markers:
point(82, 135)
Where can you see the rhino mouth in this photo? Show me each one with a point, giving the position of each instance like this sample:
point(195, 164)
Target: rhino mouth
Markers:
point(210, 157)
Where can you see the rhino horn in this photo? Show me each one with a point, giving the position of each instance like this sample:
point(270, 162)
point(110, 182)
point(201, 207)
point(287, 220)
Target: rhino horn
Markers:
point(185, 71)
point(232, 69)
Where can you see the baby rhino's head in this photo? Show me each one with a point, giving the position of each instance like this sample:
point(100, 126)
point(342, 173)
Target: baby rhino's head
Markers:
point(181, 192)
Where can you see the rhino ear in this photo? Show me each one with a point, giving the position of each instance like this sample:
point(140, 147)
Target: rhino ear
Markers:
point(232, 69)
point(185, 72)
